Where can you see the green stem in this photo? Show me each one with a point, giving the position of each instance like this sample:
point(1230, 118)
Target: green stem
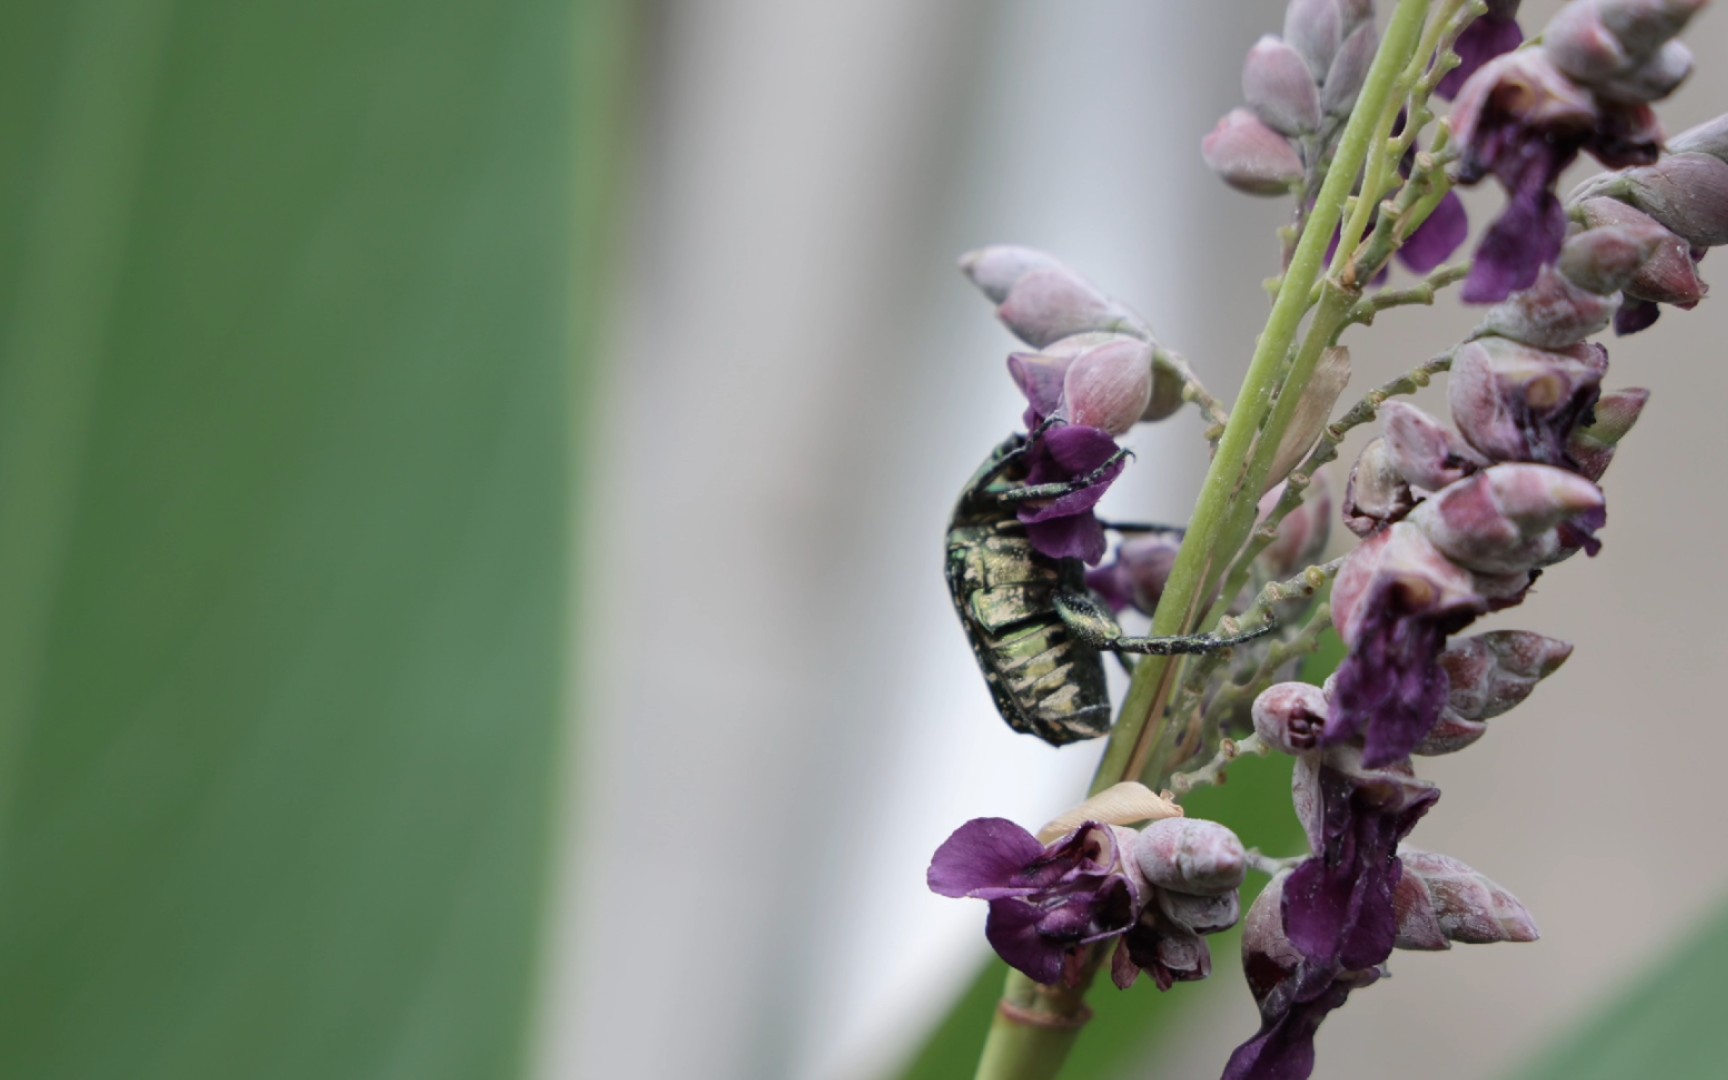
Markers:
point(1185, 593)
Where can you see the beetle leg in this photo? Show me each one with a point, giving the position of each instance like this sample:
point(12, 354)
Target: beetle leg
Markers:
point(1066, 487)
point(1092, 624)
point(1145, 527)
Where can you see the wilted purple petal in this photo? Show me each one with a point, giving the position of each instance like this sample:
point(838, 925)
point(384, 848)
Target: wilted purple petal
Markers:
point(1527, 236)
point(1481, 41)
point(1338, 906)
point(1012, 930)
point(986, 858)
point(1079, 536)
point(1635, 315)
point(1436, 239)
point(1284, 1047)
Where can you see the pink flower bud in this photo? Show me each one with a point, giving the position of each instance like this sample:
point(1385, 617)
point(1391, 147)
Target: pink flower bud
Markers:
point(1687, 193)
point(1457, 900)
point(1201, 914)
point(1493, 672)
point(1450, 734)
point(1109, 386)
point(1314, 28)
point(1426, 580)
point(1377, 493)
point(1580, 43)
point(1643, 25)
point(1551, 314)
point(1349, 70)
point(1250, 156)
point(1668, 275)
point(1422, 450)
point(1592, 447)
point(995, 269)
point(1303, 533)
point(1516, 403)
point(1502, 520)
point(1191, 855)
point(1651, 78)
point(1604, 260)
point(1042, 299)
point(1291, 716)
point(1710, 137)
point(1278, 86)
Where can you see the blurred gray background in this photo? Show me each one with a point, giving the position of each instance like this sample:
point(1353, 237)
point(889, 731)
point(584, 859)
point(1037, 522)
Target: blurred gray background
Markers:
point(781, 720)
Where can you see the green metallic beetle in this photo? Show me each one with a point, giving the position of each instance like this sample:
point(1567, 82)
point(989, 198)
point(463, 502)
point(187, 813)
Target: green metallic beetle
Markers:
point(1039, 634)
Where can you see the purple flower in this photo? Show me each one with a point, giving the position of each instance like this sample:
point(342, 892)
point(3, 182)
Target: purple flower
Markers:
point(1046, 902)
point(1437, 238)
point(1293, 994)
point(1397, 598)
point(1065, 527)
point(1338, 904)
point(1519, 119)
point(1494, 34)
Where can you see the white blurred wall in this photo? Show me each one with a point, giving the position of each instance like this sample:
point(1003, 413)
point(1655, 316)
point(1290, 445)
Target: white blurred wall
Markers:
point(780, 719)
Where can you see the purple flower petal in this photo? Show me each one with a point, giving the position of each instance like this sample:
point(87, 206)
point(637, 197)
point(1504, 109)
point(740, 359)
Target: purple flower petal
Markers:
point(1039, 377)
point(985, 858)
point(1012, 930)
point(1481, 41)
point(1390, 686)
point(1526, 237)
point(1080, 536)
point(1635, 315)
point(1437, 238)
point(1284, 1047)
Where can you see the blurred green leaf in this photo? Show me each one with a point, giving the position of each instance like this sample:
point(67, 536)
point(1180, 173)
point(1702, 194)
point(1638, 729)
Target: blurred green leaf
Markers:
point(1667, 1024)
point(286, 340)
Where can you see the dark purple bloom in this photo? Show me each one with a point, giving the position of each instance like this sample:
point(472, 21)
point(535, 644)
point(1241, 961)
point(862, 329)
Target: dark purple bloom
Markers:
point(1437, 238)
point(1635, 315)
point(1065, 527)
point(1293, 994)
point(1516, 403)
point(1519, 119)
point(1397, 599)
point(1494, 34)
point(1169, 950)
point(1045, 902)
point(1338, 904)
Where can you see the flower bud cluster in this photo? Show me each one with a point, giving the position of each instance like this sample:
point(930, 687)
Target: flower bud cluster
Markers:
point(1526, 115)
point(1092, 377)
point(1294, 86)
point(1160, 891)
point(1678, 205)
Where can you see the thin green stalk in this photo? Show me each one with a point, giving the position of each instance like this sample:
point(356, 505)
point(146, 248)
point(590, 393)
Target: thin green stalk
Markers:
point(1185, 592)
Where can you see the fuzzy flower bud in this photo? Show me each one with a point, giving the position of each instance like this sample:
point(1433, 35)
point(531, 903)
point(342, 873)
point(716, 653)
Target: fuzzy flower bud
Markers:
point(1109, 386)
point(1041, 299)
point(1551, 314)
point(1492, 673)
point(1291, 716)
point(1710, 137)
point(1278, 86)
point(1685, 192)
point(1377, 493)
point(1349, 70)
point(1422, 450)
point(1641, 26)
point(1592, 447)
point(1604, 260)
point(1315, 28)
point(1201, 914)
point(1405, 563)
point(1191, 855)
point(1303, 533)
point(1441, 900)
point(1668, 274)
point(1650, 79)
point(1250, 156)
point(1516, 403)
point(1502, 520)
